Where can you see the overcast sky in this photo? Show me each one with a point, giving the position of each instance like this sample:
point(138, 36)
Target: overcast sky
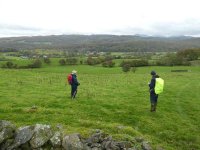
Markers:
point(119, 17)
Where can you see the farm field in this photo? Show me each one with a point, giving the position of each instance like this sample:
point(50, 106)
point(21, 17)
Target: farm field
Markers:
point(107, 99)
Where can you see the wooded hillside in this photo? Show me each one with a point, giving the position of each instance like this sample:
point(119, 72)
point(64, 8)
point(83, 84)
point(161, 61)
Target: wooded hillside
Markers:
point(106, 43)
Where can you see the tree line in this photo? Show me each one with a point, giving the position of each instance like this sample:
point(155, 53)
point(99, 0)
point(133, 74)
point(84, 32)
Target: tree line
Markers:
point(183, 58)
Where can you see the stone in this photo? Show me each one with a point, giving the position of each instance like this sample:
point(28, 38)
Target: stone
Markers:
point(56, 140)
point(95, 138)
point(6, 124)
point(139, 139)
point(25, 146)
point(6, 130)
point(42, 134)
point(5, 134)
point(96, 148)
point(124, 144)
point(6, 144)
point(159, 148)
point(24, 134)
point(146, 146)
point(72, 142)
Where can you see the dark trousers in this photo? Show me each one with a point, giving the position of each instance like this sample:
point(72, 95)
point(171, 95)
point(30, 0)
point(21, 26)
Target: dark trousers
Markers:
point(73, 91)
point(153, 98)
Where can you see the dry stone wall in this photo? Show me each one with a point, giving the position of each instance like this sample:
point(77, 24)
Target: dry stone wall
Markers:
point(43, 137)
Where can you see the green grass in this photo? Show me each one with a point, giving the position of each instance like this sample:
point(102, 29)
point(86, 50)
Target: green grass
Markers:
point(107, 99)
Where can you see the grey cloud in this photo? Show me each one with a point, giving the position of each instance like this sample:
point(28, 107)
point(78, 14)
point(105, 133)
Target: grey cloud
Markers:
point(126, 31)
point(173, 29)
point(188, 27)
point(17, 30)
point(17, 27)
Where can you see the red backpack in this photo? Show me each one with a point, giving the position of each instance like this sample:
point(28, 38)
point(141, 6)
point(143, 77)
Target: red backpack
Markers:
point(69, 78)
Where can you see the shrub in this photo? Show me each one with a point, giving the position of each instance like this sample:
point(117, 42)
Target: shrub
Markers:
point(93, 61)
point(47, 60)
point(62, 62)
point(36, 64)
point(172, 60)
point(189, 54)
point(9, 64)
point(109, 63)
point(139, 63)
point(135, 63)
point(126, 67)
point(81, 62)
point(71, 61)
point(133, 69)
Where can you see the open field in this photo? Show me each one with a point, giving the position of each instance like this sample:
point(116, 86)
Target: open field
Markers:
point(108, 99)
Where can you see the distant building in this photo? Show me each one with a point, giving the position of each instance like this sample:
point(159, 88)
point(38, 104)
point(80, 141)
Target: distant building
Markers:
point(24, 57)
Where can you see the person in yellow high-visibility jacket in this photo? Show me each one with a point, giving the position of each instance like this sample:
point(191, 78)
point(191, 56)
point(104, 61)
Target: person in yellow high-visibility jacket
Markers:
point(153, 95)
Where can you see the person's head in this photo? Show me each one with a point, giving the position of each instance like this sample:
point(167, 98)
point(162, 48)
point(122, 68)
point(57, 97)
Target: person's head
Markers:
point(153, 73)
point(74, 71)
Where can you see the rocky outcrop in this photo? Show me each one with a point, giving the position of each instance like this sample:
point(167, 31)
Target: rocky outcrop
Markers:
point(42, 137)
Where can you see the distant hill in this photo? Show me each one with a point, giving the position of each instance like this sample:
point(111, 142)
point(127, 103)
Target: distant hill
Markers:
point(104, 43)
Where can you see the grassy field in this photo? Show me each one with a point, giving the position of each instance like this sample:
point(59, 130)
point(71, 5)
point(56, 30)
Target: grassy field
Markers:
point(107, 99)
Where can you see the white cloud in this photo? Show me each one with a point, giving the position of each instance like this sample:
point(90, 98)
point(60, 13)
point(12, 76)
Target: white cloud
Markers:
point(101, 16)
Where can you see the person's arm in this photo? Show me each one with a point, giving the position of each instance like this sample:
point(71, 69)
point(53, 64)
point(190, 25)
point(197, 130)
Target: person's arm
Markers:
point(152, 84)
point(75, 81)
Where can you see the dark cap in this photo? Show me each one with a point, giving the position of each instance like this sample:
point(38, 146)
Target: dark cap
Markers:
point(153, 73)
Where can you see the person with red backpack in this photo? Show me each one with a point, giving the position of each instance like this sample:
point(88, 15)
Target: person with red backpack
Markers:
point(72, 80)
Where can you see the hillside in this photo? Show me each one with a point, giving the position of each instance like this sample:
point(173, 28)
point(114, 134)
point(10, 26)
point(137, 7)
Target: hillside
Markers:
point(101, 43)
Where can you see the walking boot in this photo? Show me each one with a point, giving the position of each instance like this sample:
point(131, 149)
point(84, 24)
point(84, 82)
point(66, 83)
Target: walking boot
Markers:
point(152, 107)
